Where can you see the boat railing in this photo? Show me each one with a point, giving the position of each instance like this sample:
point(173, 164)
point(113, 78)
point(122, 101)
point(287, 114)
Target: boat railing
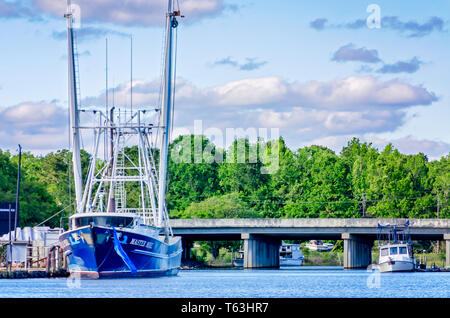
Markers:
point(144, 213)
point(396, 233)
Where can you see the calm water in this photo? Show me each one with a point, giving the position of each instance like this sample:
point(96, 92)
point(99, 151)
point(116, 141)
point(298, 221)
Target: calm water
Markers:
point(300, 282)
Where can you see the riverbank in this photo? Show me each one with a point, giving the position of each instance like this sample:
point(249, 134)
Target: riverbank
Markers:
point(311, 258)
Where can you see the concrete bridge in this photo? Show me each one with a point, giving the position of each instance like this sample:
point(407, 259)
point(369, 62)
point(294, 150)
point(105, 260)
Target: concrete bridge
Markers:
point(262, 237)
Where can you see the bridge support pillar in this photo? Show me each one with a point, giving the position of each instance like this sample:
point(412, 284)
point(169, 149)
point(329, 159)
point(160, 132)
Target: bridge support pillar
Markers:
point(260, 251)
point(187, 245)
point(357, 251)
point(447, 250)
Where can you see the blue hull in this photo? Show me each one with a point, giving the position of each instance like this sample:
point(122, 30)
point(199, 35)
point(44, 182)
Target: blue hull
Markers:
point(95, 252)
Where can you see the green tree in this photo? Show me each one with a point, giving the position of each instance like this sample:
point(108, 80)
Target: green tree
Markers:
point(8, 178)
point(322, 186)
point(398, 185)
point(227, 206)
point(192, 172)
point(284, 183)
point(243, 171)
point(35, 204)
point(439, 181)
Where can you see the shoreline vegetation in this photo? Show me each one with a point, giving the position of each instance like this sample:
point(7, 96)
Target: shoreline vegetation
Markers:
point(309, 182)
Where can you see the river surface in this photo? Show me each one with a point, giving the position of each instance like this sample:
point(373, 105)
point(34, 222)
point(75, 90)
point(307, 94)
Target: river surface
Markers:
point(301, 282)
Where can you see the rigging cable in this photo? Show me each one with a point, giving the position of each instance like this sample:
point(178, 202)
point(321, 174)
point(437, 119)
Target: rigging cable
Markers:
point(52, 216)
point(174, 84)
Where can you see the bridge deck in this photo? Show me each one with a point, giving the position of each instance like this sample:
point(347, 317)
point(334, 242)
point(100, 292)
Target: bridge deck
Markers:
point(232, 229)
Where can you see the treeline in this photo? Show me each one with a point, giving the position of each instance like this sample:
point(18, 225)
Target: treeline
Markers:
point(310, 182)
point(313, 182)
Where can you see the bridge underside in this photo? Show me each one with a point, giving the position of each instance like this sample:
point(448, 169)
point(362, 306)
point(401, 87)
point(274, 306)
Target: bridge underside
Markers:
point(262, 251)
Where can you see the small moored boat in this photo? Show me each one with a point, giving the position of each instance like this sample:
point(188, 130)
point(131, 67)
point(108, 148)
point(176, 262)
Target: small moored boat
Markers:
point(396, 254)
point(291, 255)
point(318, 245)
point(238, 261)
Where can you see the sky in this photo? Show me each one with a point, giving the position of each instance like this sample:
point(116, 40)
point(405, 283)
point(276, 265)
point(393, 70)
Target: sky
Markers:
point(321, 72)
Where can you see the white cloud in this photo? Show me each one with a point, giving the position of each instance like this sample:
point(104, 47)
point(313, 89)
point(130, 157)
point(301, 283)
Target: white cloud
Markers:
point(351, 93)
point(303, 125)
point(302, 111)
point(335, 143)
point(255, 91)
point(36, 126)
point(26, 113)
point(435, 149)
point(133, 12)
point(354, 93)
point(326, 112)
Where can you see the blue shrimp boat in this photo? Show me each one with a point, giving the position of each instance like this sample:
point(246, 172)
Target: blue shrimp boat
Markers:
point(118, 245)
point(111, 235)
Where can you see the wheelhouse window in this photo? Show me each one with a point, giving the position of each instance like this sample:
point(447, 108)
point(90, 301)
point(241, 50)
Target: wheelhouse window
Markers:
point(116, 221)
point(384, 252)
point(402, 250)
point(393, 251)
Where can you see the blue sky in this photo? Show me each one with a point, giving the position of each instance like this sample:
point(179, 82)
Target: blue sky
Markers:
point(305, 67)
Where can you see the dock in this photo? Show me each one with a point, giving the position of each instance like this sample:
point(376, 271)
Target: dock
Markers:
point(32, 273)
point(32, 253)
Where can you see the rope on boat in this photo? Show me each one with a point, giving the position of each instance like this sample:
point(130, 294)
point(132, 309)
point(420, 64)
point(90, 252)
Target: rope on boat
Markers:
point(53, 216)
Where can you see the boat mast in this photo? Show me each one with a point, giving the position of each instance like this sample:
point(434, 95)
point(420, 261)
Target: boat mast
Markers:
point(73, 102)
point(166, 107)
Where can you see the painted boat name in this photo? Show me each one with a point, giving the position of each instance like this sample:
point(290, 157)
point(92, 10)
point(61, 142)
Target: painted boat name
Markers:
point(141, 243)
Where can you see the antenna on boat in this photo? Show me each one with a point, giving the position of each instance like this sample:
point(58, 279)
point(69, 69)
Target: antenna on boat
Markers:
point(106, 97)
point(131, 75)
point(106, 75)
point(113, 92)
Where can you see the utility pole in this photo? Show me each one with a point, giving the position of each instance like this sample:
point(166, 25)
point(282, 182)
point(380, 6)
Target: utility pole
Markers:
point(438, 215)
point(438, 205)
point(364, 204)
point(9, 246)
point(17, 193)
